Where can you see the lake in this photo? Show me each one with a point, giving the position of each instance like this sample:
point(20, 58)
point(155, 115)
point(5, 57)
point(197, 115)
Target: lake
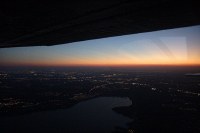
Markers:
point(95, 115)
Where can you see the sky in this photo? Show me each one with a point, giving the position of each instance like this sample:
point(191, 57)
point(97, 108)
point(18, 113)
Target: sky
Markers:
point(179, 46)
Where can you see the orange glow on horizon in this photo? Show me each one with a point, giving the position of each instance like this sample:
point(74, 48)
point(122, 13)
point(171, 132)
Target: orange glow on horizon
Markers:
point(58, 64)
point(118, 60)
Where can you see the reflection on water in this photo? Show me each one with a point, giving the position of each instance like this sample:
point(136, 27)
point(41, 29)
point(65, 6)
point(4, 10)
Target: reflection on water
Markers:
point(94, 115)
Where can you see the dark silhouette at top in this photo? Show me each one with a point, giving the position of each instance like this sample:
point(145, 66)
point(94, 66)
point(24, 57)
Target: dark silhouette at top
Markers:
point(32, 23)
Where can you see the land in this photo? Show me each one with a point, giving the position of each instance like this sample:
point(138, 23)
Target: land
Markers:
point(163, 99)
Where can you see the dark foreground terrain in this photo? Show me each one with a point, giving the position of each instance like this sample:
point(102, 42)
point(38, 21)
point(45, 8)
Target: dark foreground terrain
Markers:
point(164, 99)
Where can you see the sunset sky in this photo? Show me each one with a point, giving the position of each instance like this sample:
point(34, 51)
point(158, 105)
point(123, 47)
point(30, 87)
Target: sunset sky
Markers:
point(167, 47)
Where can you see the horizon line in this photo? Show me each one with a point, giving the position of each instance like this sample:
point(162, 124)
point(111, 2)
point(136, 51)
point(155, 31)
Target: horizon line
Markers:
point(132, 65)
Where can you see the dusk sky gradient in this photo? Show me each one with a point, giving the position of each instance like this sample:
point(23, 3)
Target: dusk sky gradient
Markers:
point(179, 46)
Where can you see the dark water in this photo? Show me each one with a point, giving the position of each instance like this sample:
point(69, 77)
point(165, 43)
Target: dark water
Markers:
point(94, 115)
